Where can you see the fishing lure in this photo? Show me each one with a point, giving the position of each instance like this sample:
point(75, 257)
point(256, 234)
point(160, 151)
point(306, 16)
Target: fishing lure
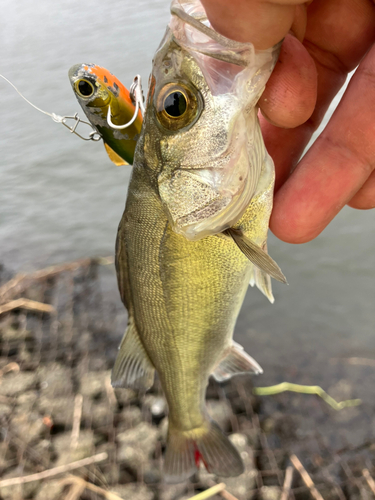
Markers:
point(114, 111)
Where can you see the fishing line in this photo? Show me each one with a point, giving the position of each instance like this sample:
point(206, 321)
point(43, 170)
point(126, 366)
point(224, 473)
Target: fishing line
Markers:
point(93, 135)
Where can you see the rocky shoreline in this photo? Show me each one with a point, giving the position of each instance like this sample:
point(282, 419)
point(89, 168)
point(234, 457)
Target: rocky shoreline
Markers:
point(57, 407)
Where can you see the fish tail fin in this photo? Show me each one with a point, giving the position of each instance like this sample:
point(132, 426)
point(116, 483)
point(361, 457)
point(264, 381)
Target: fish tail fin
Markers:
point(208, 444)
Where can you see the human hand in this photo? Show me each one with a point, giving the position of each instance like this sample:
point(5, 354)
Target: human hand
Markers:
point(339, 168)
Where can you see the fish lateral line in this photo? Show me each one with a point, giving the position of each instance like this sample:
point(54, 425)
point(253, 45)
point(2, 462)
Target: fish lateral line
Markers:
point(93, 135)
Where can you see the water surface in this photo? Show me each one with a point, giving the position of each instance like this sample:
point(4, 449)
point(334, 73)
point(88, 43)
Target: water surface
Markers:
point(61, 199)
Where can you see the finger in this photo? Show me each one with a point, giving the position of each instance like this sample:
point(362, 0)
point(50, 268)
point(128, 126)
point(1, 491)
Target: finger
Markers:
point(263, 23)
point(290, 95)
point(365, 198)
point(338, 35)
point(335, 168)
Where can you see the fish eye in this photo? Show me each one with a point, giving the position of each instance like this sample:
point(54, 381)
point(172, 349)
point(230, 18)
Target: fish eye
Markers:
point(84, 88)
point(176, 106)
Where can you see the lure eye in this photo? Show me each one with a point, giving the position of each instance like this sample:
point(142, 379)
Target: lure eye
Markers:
point(176, 106)
point(84, 88)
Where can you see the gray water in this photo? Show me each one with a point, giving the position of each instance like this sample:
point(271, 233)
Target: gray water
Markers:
point(61, 199)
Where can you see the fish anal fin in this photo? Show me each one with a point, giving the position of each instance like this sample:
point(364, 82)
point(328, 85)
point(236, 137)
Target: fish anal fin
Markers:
point(133, 368)
point(235, 361)
point(185, 449)
point(256, 255)
point(114, 157)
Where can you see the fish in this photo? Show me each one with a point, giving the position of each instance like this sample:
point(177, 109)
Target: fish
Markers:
point(96, 89)
point(183, 287)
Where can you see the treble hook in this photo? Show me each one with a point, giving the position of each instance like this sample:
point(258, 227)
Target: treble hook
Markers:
point(136, 96)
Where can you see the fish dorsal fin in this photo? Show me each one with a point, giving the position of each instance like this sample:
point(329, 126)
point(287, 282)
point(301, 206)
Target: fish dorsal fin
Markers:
point(235, 361)
point(133, 368)
point(256, 255)
point(114, 157)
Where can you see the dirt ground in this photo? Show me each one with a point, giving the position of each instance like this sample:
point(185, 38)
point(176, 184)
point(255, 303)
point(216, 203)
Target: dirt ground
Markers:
point(58, 409)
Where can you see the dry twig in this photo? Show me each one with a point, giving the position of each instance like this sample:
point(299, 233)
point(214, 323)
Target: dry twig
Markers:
point(10, 367)
point(79, 481)
point(31, 305)
point(287, 483)
point(77, 414)
point(306, 478)
point(55, 471)
point(369, 479)
point(218, 488)
point(20, 282)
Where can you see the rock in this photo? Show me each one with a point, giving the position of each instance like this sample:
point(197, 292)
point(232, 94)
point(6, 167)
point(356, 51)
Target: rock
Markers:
point(27, 401)
point(270, 493)
point(133, 491)
point(5, 411)
point(221, 412)
point(130, 416)
point(135, 446)
point(55, 380)
point(50, 490)
point(17, 383)
point(62, 446)
point(125, 396)
point(173, 491)
point(156, 404)
point(240, 486)
point(93, 384)
point(18, 491)
point(59, 409)
point(11, 492)
point(29, 426)
point(96, 415)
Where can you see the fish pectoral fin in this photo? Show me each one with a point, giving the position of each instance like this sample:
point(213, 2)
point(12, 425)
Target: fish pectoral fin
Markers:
point(114, 157)
point(234, 362)
point(256, 255)
point(263, 281)
point(133, 368)
point(185, 450)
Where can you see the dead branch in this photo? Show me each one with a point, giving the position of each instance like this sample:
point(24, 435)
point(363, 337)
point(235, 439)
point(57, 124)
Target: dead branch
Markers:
point(77, 415)
point(55, 471)
point(218, 488)
point(31, 305)
point(10, 367)
point(369, 479)
point(306, 478)
point(20, 282)
point(287, 483)
point(79, 481)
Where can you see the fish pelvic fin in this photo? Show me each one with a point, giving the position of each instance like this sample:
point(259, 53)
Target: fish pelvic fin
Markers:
point(235, 361)
point(208, 443)
point(133, 368)
point(256, 255)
